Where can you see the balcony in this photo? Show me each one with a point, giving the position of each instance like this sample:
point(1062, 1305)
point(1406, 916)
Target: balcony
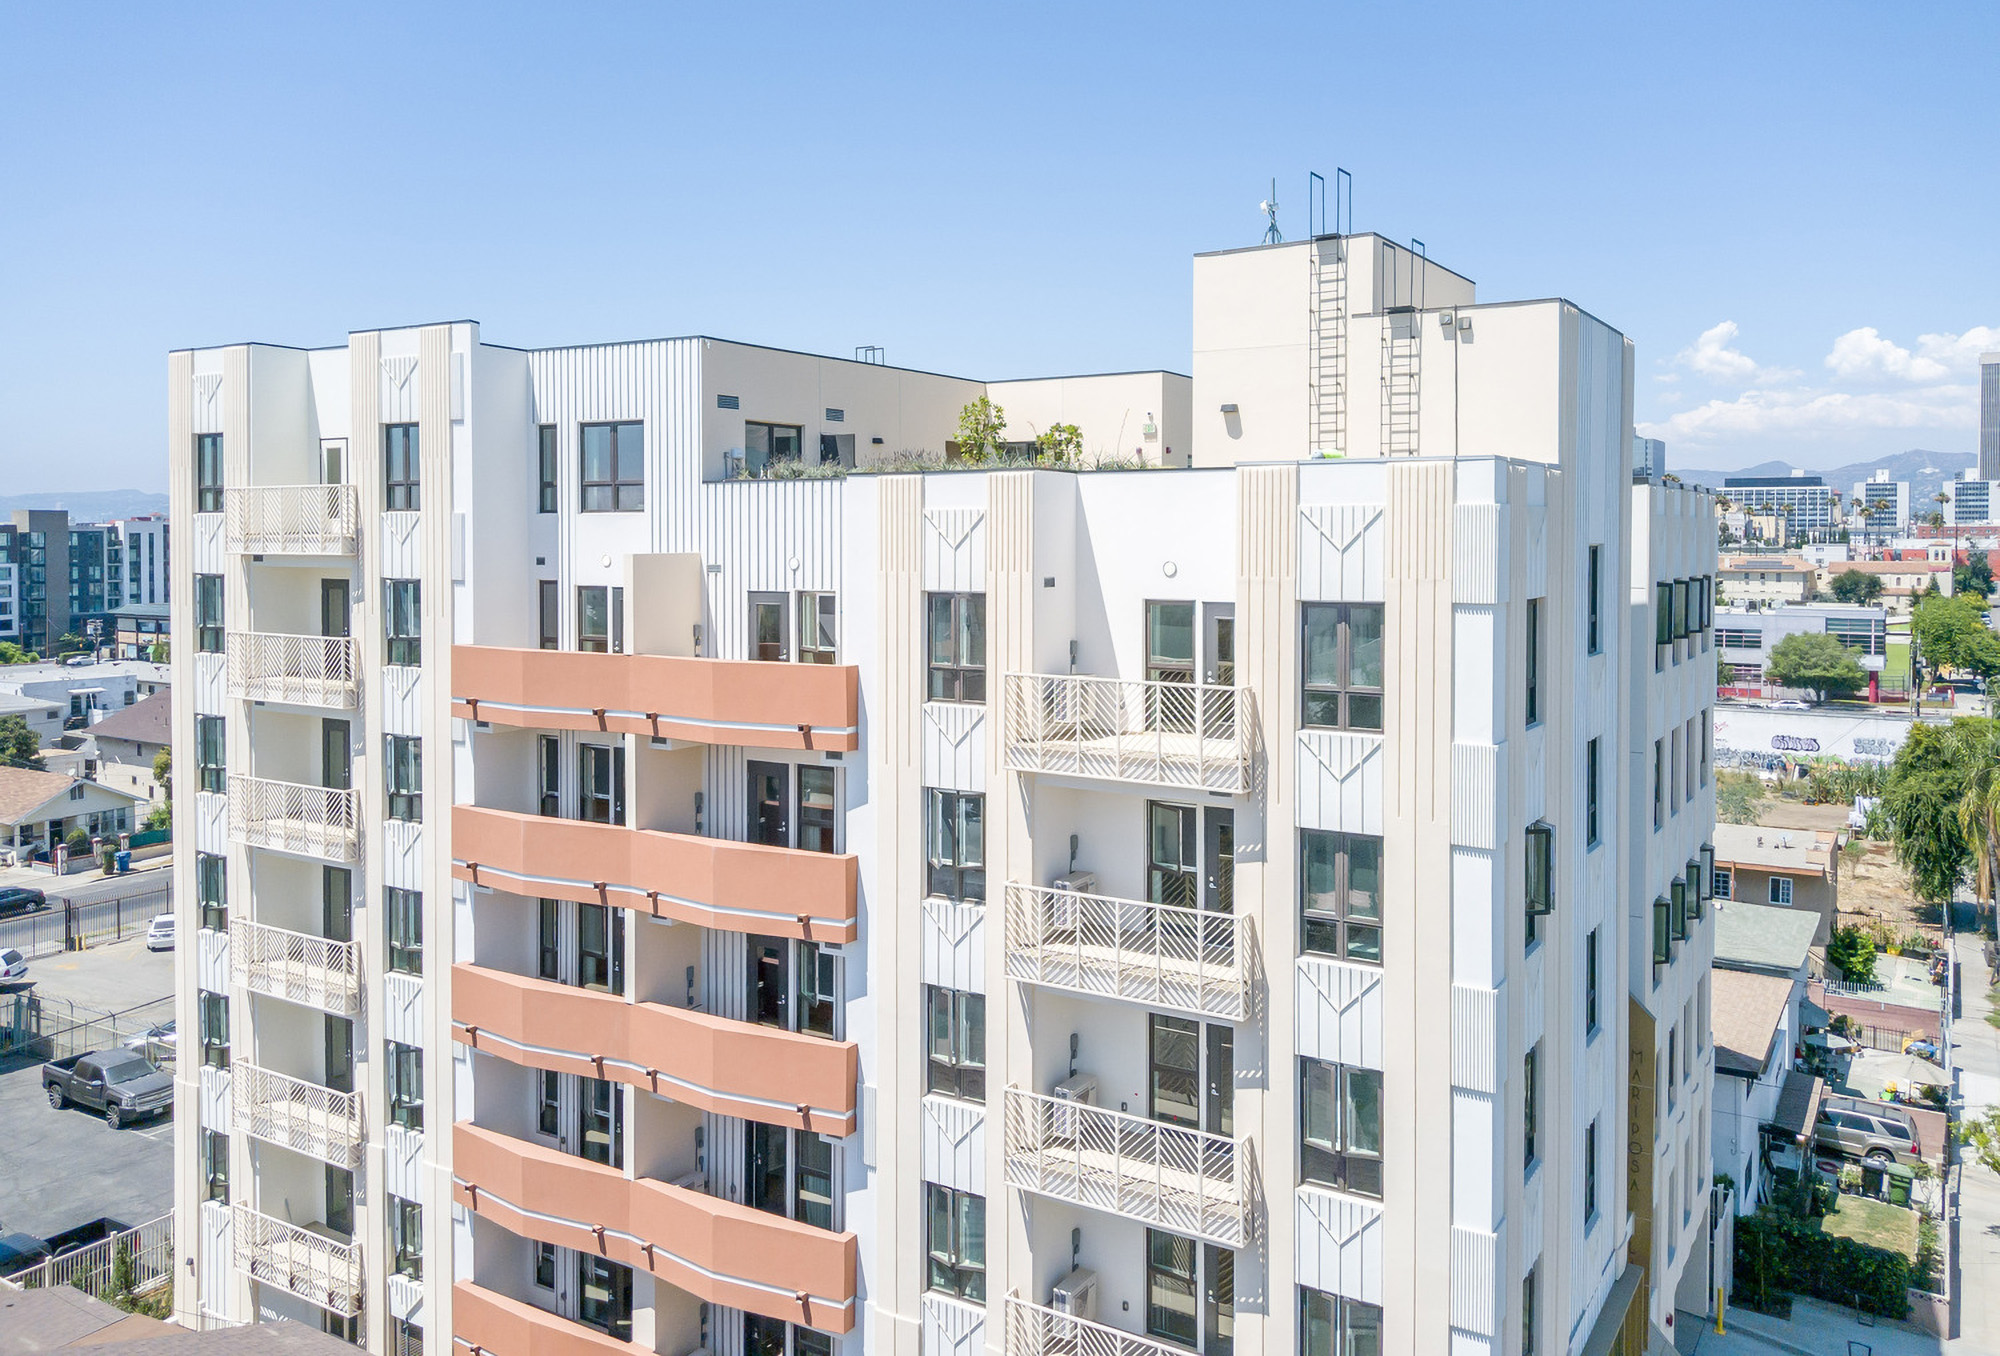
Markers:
point(308, 821)
point(1036, 1330)
point(295, 1114)
point(1189, 1181)
point(309, 1261)
point(734, 1068)
point(1195, 738)
point(296, 966)
point(710, 701)
point(485, 1320)
point(715, 1250)
point(291, 520)
point(300, 670)
point(741, 887)
point(1156, 954)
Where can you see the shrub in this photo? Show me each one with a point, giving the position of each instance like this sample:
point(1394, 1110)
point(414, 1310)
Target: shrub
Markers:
point(1852, 952)
point(1778, 1255)
point(78, 842)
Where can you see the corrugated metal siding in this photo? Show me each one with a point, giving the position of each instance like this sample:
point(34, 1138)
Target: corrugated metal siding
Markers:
point(775, 536)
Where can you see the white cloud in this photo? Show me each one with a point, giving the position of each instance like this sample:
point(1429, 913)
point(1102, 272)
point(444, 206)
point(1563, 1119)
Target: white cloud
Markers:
point(1801, 411)
point(1712, 355)
point(1864, 355)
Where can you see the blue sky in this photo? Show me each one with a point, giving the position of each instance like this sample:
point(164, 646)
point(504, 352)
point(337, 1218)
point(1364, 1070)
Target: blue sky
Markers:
point(1791, 209)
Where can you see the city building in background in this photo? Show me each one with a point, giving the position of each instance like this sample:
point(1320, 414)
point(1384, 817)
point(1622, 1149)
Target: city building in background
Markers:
point(1888, 505)
point(1802, 504)
point(1767, 580)
point(1649, 458)
point(1745, 636)
point(110, 578)
point(678, 856)
point(1989, 416)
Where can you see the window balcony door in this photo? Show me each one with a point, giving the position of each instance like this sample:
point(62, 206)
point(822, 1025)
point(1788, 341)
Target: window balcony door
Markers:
point(1191, 1073)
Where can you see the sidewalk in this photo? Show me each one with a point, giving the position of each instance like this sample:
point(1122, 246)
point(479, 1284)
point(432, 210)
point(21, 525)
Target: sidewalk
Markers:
point(1975, 1223)
point(1814, 1329)
point(41, 878)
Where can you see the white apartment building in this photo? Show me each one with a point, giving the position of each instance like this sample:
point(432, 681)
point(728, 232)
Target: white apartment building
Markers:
point(147, 566)
point(1014, 910)
point(1888, 505)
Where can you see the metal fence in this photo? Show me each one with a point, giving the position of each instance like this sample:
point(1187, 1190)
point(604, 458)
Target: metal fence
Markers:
point(55, 1028)
point(70, 925)
point(132, 1263)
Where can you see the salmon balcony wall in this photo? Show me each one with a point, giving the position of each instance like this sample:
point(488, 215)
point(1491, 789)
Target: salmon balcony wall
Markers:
point(711, 701)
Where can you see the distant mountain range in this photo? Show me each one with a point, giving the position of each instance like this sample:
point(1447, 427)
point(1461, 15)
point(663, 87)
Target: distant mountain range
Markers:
point(89, 506)
point(1926, 471)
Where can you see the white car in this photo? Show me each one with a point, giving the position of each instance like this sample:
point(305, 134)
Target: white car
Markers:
point(13, 965)
point(1788, 706)
point(160, 933)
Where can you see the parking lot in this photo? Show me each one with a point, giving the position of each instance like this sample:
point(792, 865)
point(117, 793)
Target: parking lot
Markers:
point(61, 1168)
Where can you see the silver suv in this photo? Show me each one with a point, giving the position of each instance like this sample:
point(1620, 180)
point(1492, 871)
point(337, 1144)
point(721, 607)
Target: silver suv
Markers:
point(1866, 1130)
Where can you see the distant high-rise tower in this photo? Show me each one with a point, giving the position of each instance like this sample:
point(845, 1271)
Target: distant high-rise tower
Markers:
point(1989, 416)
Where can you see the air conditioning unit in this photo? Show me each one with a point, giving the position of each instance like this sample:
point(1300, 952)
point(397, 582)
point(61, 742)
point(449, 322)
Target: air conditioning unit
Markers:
point(1077, 1088)
point(691, 1181)
point(1076, 1295)
point(1065, 1122)
point(1064, 909)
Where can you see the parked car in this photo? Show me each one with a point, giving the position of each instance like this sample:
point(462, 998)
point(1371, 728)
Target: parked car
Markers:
point(1788, 705)
point(85, 1234)
point(1868, 1130)
point(13, 966)
point(19, 899)
point(18, 1252)
point(155, 1041)
point(123, 1084)
point(160, 933)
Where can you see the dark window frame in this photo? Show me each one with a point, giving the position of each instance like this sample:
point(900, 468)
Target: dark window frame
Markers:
point(406, 1237)
point(951, 871)
point(1335, 1155)
point(402, 622)
point(1339, 702)
point(1532, 661)
point(212, 1014)
point(1594, 638)
point(403, 777)
point(954, 672)
point(1531, 1105)
point(611, 606)
point(955, 1043)
point(1338, 1320)
point(403, 1076)
point(546, 454)
point(210, 617)
point(1341, 922)
point(402, 469)
point(403, 917)
point(211, 745)
point(1592, 771)
point(208, 473)
point(621, 486)
point(211, 887)
point(956, 1263)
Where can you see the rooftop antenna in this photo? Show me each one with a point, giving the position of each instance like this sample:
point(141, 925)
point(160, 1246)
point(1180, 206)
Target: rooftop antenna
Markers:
point(1269, 207)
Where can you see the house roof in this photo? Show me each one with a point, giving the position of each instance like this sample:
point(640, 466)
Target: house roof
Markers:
point(1762, 936)
point(1744, 1011)
point(1794, 852)
point(62, 1318)
point(150, 721)
point(24, 791)
point(1798, 1104)
point(14, 704)
point(1781, 564)
point(1889, 566)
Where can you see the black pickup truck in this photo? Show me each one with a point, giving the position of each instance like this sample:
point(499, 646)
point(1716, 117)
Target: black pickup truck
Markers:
point(120, 1083)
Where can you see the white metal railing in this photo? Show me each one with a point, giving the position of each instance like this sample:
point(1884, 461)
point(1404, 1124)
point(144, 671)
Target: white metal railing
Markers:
point(307, 670)
point(310, 520)
point(316, 821)
point(1162, 734)
point(1186, 1180)
point(1036, 1330)
point(1840, 988)
point(287, 1111)
point(317, 1267)
point(1161, 955)
point(96, 1268)
point(296, 966)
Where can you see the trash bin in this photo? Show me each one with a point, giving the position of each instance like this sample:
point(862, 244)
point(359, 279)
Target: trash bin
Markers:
point(1871, 1178)
point(124, 862)
point(1899, 1179)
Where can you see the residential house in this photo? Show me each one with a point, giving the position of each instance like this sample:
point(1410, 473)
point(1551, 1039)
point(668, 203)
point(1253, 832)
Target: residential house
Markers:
point(1765, 1103)
point(124, 744)
point(39, 809)
point(1766, 580)
point(1785, 868)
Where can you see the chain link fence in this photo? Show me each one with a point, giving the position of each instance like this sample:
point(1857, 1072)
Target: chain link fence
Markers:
point(33, 1028)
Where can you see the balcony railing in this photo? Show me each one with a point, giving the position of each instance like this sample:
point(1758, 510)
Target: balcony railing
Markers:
point(1159, 734)
point(1035, 1330)
point(295, 1114)
point(1157, 954)
point(296, 966)
point(304, 670)
point(486, 1320)
point(1186, 1180)
point(312, 821)
point(296, 520)
point(309, 1261)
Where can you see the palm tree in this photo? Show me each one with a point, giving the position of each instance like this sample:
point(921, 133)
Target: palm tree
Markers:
point(1979, 805)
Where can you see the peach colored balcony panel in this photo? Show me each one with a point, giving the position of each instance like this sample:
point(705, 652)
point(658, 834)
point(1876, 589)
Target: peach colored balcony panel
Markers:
point(741, 887)
point(735, 1068)
point(713, 701)
point(485, 1320)
point(715, 1250)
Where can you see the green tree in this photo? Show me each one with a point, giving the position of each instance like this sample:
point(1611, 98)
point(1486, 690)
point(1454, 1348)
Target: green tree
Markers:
point(1925, 791)
point(1979, 802)
point(18, 745)
point(10, 653)
point(1852, 952)
point(1061, 444)
point(1856, 586)
point(1974, 578)
point(980, 426)
point(1951, 633)
point(1724, 673)
point(1816, 662)
point(159, 652)
point(69, 643)
point(1736, 797)
point(1983, 1134)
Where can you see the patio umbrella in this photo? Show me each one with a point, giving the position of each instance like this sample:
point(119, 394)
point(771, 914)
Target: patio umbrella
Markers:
point(1907, 1071)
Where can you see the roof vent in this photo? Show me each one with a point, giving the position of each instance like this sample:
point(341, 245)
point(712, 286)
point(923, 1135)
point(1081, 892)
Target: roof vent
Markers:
point(834, 416)
point(723, 402)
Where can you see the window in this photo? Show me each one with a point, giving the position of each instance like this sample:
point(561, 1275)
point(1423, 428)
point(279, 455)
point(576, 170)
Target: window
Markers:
point(817, 814)
point(1534, 659)
point(1707, 741)
point(545, 1263)
point(1531, 1104)
point(1663, 616)
point(601, 783)
point(211, 887)
point(955, 1242)
point(955, 846)
point(817, 628)
point(1680, 609)
point(1590, 824)
point(404, 773)
point(1541, 876)
point(957, 647)
point(1706, 871)
point(1530, 1287)
point(402, 622)
point(614, 468)
point(1659, 785)
point(550, 609)
point(208, 473)
point(548, 1100)
point(601, 1121)
point(1696, 879)
point(208, 622)
point(956, 1043)
point(1677, 894)
point(548, 773)
point(794, 985)
point(604, 1296)
point(549, 954)
point(1340, 1127)
point(600, 947)
point(1781, 891)
point(768, 627)
point(405, 910)
point(215, 1166)
point(1663, 937)
point(210, 759)
point(399, 468)
point(765, 444)
point(214, 1014)
point(1590, 983)
point(1674, 762)
point(1172, 1288)
point(1590, 1177)
point(406, 1085)
point(1673, 1067)
point(1343, 665)
point(1594, 585)
point(790, 1173)
point(1169, 642)
point(600, 619)
point(1332, 1325)
point(1340, 902)
point(545, 500)
point(406, 1238)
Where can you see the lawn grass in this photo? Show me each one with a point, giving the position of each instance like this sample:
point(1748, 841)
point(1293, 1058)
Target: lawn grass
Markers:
point(1875, 1223)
